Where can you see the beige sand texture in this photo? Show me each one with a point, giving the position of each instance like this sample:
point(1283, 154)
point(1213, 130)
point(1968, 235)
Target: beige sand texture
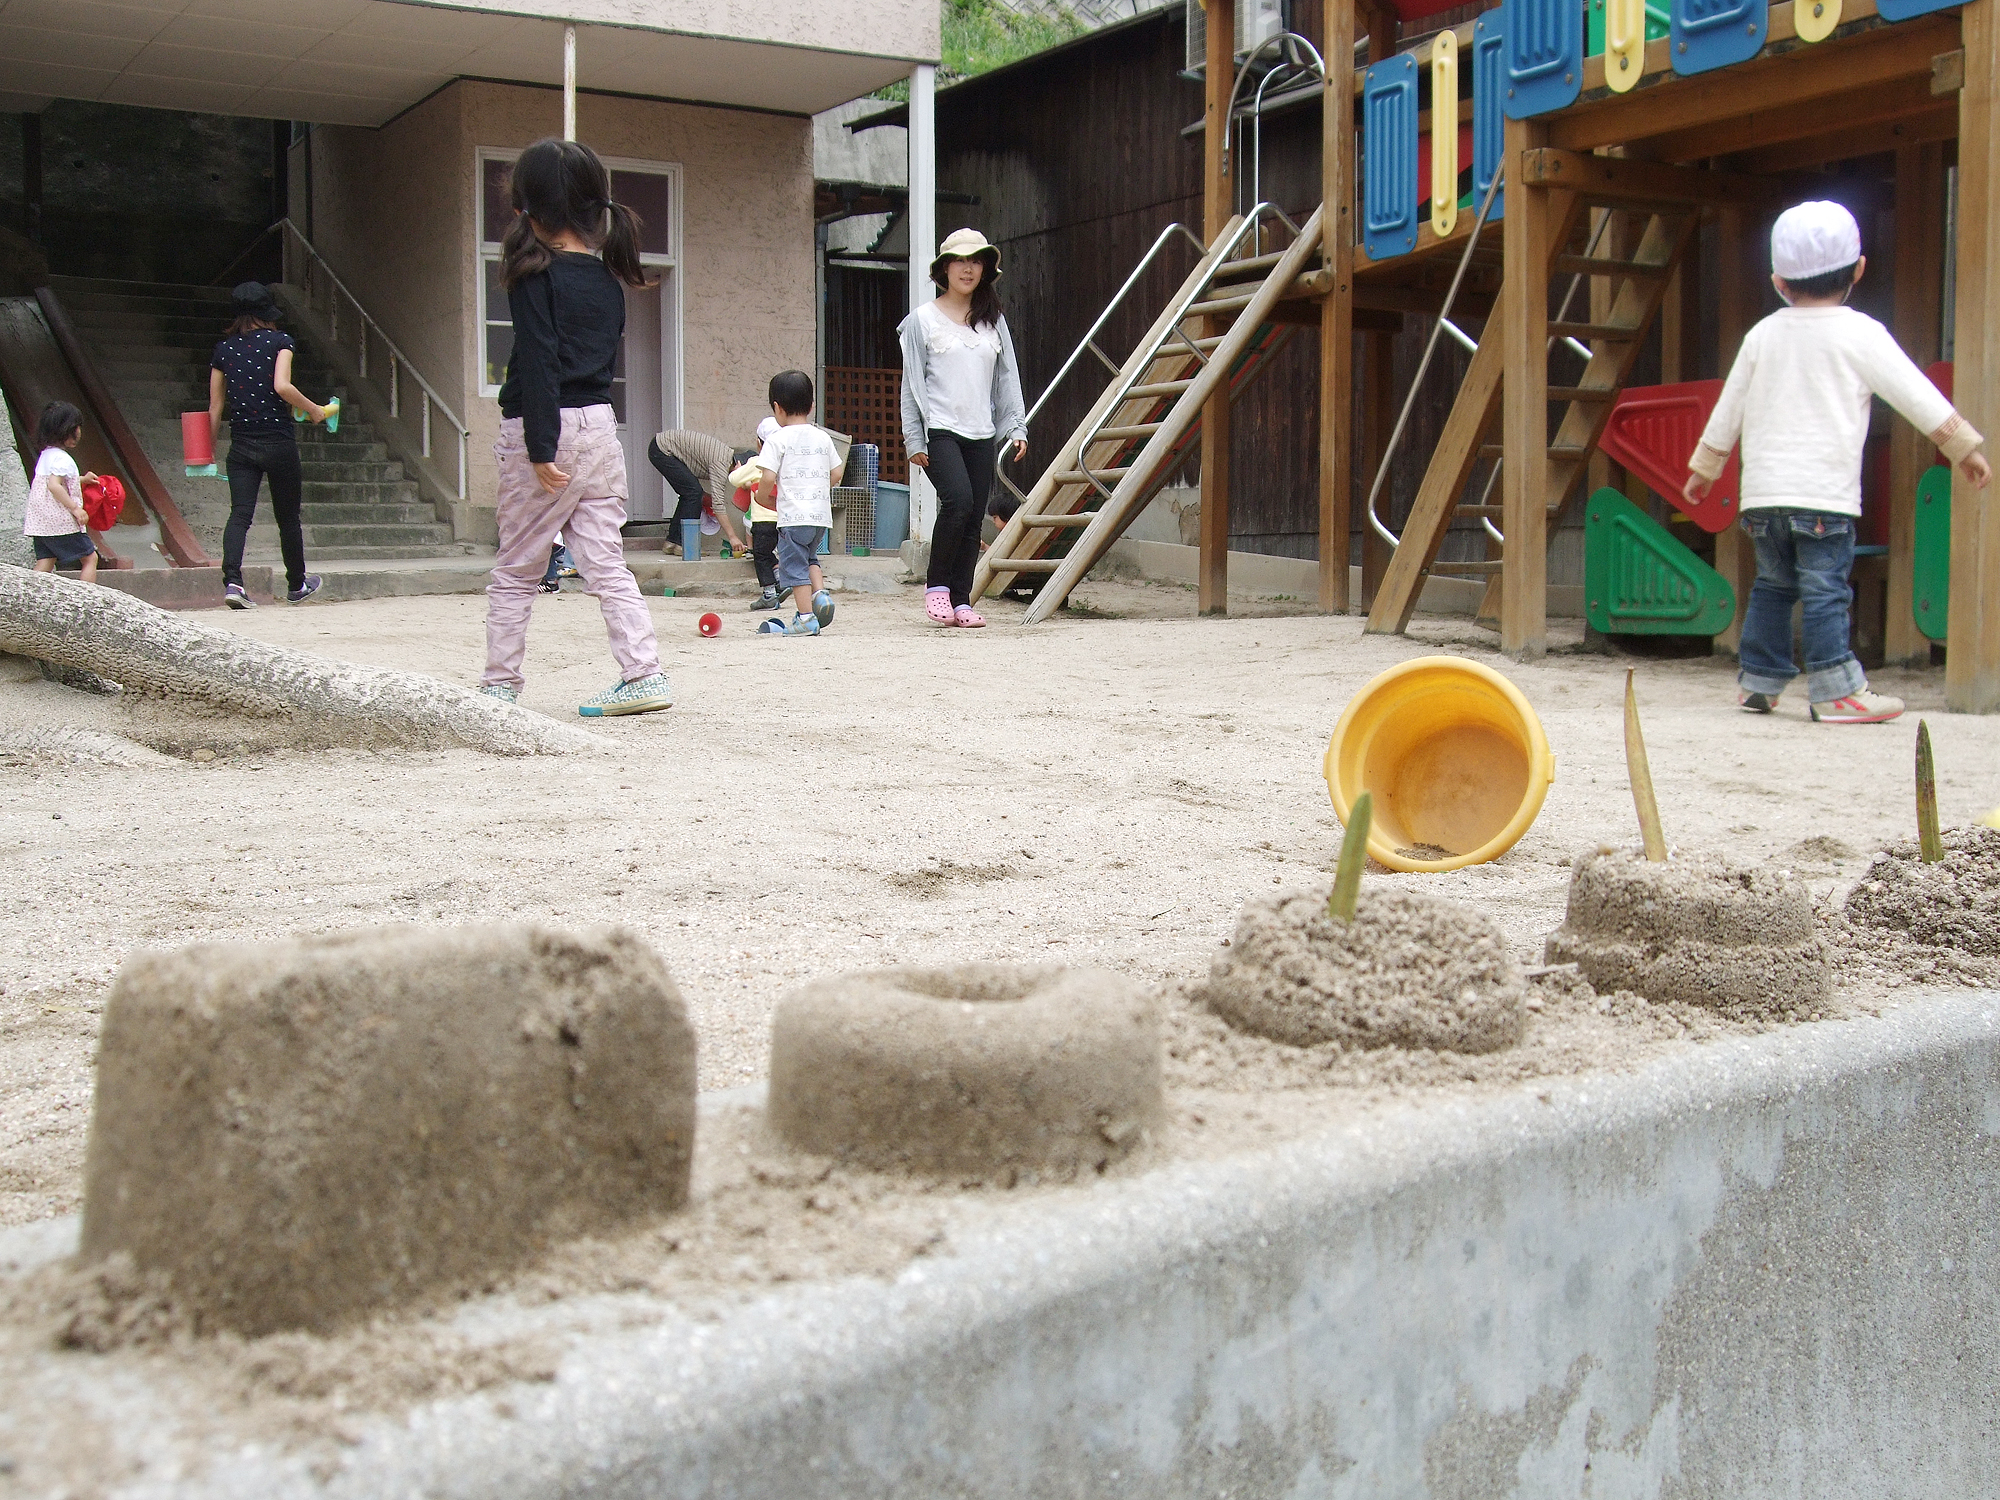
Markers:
point(1954, 903)
point(1695, 929)
point(296, 1134)
point(977, 1069)
point(1409, 970)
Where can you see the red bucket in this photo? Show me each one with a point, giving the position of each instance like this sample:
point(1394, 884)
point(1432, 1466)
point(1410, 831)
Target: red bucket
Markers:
point(197, 439)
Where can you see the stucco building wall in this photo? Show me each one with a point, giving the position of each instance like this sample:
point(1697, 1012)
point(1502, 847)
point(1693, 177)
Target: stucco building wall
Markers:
point(395, 214)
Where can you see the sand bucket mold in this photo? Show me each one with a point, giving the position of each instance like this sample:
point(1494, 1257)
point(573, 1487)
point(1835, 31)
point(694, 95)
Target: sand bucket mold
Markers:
point(1456, 759)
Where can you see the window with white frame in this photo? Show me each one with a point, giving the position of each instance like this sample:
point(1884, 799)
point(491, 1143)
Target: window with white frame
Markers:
point(649, 189)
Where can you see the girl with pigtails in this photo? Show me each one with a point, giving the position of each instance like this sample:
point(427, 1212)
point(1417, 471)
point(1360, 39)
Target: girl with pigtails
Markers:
point(561, 467)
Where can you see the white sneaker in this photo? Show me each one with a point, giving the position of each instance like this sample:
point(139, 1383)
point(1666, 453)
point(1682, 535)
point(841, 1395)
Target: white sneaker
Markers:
point(1858, 707)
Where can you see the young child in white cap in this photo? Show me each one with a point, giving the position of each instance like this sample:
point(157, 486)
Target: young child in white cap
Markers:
point(1799, 397)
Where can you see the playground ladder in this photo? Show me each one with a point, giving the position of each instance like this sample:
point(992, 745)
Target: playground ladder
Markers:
point(1637, 286)
point(1141, 426)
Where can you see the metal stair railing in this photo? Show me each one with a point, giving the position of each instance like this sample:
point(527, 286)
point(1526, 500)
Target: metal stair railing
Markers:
point(318, 272)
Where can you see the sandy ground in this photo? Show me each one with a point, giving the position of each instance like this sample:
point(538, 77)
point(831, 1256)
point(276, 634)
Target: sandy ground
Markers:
point(1103, 789)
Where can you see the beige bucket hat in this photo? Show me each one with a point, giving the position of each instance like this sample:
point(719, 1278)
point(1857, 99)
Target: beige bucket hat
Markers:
point(964, 244)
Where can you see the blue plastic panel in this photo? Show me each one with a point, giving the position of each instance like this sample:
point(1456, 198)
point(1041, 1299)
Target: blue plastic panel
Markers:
point(1489, 122)
point(1389, 158)
point(1541, 54)
point(1904, 10)
point(1710, 34)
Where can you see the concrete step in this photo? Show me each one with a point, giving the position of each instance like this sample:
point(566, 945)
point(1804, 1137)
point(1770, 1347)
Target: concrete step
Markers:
point(172, 326)
point(340, 552)
point(321, 471)
point(94, 286)
point(398, 492)
point(317, 513)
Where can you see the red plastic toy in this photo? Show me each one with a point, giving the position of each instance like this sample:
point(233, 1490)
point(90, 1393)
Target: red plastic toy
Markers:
point(1654, 428)
point(104, 502)
point(709, 625)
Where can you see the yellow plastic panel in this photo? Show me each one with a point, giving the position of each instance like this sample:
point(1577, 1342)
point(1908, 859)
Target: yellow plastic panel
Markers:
point(1444, 133)
point(1814, 20)
point(1624, 43)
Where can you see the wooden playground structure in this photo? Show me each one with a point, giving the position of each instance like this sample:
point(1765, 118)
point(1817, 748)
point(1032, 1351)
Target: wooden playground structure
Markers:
point(1594, 139)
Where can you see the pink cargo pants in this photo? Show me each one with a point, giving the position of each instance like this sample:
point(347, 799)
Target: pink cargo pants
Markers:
point(588, 511)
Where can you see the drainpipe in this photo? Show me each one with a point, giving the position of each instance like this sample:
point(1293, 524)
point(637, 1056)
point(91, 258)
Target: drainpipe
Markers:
point(820, 236)
point(569, 83)
point(923, 244)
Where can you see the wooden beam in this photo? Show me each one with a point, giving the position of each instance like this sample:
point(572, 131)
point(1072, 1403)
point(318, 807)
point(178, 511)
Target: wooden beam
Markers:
point(1919, 287)
point(1628, 178)
point(1972, 663)
point(1336, 316)
point(1782, 29)
point(1524, 418)
point(1217, 204)
point(1745, 267)
point(1428, 244)
point(1877, 106)
point(1680, 322)
point(1829, 68)
point(1939, 123)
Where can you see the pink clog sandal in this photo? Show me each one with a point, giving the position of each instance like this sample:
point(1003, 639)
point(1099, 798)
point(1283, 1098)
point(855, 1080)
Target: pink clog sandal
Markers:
point(937, 604)
point(967, 616)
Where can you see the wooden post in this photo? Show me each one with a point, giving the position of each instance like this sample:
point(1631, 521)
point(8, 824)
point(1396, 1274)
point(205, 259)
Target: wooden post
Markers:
point(1972, 662)
point(1737, 302)
point(1336, 312)
point(1524, 419)
point(1919, 323)
point(1378, 419)
point(1217, 205)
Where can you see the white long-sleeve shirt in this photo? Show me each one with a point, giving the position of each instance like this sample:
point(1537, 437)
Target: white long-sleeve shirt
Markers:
point(1798, 396)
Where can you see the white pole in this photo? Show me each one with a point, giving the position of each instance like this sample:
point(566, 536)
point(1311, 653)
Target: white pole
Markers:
point(923, 244)
point(569, 83)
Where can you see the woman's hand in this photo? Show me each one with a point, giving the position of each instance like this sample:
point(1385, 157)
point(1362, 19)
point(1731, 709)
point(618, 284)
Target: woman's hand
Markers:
point(554, 480)
point(921, 460)
point(1020, 449)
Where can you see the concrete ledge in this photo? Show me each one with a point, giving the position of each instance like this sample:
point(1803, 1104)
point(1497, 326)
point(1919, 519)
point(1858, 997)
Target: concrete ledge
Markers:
point(185, 588)
point(1756, 1267)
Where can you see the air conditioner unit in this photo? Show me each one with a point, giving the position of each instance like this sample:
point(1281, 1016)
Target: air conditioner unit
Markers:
point(1257, 21)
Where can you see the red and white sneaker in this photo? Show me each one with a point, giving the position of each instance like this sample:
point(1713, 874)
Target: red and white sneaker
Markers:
point(1858, 707)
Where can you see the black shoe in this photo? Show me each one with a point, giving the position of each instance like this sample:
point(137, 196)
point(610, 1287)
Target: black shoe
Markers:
point(305, 590)
point(768, 600)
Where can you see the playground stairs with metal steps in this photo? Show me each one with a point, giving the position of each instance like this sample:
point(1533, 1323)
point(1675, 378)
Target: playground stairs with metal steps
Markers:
point(1628, 292)
point(152, 342)
point(1215, 333)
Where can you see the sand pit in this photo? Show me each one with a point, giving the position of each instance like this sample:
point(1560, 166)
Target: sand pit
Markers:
point(294, 1135)
point(1408, 971)
point(1698, 929)
point(980, 1069)
point(1954, 903)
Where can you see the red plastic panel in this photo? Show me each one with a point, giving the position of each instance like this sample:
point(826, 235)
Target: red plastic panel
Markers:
point(1416, 10)
point(1652, 431)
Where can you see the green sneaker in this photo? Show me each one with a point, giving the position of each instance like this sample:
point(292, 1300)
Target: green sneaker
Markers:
point(501, 691)
point(641, 697)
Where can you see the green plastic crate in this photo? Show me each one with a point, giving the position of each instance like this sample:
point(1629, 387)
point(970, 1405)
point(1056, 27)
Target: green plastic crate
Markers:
point(1639, 580)
point(1930, 600)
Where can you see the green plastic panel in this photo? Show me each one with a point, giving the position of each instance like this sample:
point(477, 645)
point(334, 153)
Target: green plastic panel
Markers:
point(1593, 21)
point(1639, 580)
point(1930, 601)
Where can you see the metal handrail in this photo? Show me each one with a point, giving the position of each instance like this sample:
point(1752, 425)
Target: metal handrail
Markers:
point(398, 361)
point(1289, 67)
point(1089, 343)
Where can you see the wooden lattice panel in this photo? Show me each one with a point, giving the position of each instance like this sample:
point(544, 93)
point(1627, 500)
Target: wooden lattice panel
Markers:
point(867, 406)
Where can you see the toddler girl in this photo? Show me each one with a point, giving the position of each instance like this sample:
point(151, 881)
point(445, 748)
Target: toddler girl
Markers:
point(55, 517)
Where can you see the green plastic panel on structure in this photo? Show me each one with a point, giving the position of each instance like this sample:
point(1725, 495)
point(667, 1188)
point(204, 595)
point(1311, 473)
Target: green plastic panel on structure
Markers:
point(1639, 580)
point(1930, 600)
point(1657, 25)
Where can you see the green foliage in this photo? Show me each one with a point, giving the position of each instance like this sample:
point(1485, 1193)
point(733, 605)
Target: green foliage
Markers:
point(981, 35)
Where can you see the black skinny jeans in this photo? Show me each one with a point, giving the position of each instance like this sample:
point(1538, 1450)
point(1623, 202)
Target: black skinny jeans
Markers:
point(962, 473)
point(254, 457)
point(681, 480)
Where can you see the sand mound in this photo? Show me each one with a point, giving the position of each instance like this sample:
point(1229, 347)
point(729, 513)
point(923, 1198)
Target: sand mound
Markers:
point(1408, 971)
point(1698, 929)
point(1954, 903)
point(979, 1069)
point(297, 1133)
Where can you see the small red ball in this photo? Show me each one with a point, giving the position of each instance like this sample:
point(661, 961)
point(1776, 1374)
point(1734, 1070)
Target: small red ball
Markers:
point(710, 624)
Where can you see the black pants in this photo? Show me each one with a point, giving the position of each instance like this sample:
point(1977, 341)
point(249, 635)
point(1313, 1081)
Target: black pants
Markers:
point(764, 552)
point(962, 472)
point(680, 479)
point(253, 457)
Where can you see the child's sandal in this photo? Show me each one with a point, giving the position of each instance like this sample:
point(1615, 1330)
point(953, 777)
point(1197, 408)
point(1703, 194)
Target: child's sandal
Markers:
point(937, 604)
point(968, 617)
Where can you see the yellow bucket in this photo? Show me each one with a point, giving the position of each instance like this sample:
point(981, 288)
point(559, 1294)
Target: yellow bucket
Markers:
point(1456, 760)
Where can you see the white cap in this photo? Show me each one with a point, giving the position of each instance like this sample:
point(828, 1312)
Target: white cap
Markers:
point(1811, 239)
point(765, 428)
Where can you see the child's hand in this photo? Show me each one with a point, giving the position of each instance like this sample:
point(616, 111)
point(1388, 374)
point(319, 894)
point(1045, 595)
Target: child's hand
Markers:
point(89, 479)
point(1696, 489)
point(554, 480)
point(1977, 470)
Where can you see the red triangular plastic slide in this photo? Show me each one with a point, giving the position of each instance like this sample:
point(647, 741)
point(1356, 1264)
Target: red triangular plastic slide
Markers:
point(1654, 428)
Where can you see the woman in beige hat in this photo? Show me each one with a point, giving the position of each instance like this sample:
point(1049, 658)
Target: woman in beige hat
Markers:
point(961, 396)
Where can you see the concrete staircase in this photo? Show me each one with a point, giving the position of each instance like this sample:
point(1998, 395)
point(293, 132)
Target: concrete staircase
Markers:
point(152, 345)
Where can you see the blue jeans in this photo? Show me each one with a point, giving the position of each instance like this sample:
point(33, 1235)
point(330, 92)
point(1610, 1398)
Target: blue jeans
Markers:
point(1802, 556)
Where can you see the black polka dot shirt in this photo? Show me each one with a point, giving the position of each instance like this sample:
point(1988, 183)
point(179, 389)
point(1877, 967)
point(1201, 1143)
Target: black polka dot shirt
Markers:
point(249, 363)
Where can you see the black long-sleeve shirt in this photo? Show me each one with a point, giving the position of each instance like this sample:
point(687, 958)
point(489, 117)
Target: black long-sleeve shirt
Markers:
point(568, 321)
